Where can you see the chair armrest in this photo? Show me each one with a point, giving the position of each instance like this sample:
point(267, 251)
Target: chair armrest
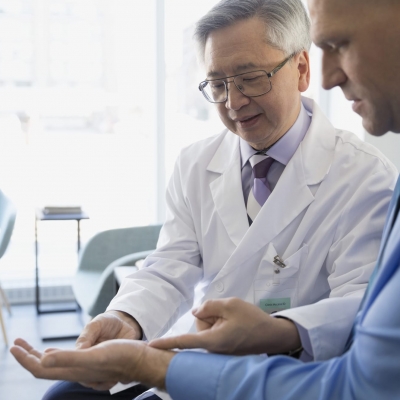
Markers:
point(106, 280)
point(107, 246)
point(129, 259)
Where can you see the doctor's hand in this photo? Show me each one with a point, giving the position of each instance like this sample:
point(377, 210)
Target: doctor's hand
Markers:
point(99, 367)
point(233, 326)
point(107, 326)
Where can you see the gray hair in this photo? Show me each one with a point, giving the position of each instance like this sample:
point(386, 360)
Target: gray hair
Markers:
point(286, 21)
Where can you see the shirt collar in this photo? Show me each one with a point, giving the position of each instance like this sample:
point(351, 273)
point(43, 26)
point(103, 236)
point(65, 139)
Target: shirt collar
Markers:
point(284, 149)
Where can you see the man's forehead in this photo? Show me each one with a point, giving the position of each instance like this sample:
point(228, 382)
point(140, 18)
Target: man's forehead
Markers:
point(239, 48)
point(331, 10)
point(326, 7)
point(213, 72)
point(336, 18)
point(330, 17)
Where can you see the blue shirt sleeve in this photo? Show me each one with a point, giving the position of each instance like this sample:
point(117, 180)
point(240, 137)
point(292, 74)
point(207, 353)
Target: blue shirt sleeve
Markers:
point(369, 370)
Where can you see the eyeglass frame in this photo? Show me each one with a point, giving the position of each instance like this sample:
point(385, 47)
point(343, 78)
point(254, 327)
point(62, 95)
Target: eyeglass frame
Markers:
point(202, 84)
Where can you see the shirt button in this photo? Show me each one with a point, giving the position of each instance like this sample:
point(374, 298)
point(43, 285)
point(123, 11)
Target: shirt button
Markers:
point(219, 287)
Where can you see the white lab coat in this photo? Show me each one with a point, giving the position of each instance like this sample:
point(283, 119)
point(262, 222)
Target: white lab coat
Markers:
point(324, 219)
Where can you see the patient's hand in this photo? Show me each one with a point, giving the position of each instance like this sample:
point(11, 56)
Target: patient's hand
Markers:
point(99, 367)
point(107, 326)
point(233, 326)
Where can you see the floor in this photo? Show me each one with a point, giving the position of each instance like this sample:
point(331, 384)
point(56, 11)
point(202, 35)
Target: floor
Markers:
point(15, 382)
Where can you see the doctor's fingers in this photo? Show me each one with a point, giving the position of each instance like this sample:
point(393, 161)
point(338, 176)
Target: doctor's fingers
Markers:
point(90, 335)
point(207, 340)
point(175, 342)
point(101, 328)
point(104, 327)
point(218, 308)
point(206, 323)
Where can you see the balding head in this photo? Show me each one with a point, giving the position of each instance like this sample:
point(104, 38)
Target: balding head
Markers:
point(361, 54)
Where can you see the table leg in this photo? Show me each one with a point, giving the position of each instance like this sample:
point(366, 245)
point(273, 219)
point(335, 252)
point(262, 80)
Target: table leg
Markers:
point(79, 235)
point(37, 294)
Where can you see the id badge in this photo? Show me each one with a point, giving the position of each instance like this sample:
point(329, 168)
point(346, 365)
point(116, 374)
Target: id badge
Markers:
point(272, 296)
point(271, 306)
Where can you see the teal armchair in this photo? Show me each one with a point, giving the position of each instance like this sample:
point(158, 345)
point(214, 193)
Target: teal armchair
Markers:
point(94, 285)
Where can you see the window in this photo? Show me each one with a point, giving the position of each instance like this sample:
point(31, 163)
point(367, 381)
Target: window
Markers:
point(188, 117)
point(77, 122)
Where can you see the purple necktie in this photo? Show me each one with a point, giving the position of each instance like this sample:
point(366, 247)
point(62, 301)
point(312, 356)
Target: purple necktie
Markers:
point(260, 191)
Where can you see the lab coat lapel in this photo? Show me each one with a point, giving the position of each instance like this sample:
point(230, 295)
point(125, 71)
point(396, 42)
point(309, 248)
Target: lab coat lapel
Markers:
point(289, 198)
point(309, 166)
point(226, 190)
point(271, 220)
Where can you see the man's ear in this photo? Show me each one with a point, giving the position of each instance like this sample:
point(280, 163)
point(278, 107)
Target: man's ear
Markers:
point(302, 61)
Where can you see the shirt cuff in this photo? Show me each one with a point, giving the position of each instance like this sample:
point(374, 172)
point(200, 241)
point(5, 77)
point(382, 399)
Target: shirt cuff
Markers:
point(188, 369)
point(307, 353)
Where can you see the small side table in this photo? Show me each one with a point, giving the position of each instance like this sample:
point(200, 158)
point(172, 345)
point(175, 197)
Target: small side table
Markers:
point(40, 216)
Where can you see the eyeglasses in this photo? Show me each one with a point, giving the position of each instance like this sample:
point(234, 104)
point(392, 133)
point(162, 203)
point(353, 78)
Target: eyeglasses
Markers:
point(251, 84)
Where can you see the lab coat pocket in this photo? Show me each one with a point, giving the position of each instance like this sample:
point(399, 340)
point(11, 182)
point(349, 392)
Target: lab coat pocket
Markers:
point(275, 287)
point(293, 263)
point(273, 295)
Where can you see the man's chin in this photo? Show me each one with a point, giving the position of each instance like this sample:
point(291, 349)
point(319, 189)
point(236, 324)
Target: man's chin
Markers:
point(375, 128)
point(376, 133)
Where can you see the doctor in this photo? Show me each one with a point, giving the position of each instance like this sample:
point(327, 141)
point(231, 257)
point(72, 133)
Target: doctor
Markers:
point(274, 210)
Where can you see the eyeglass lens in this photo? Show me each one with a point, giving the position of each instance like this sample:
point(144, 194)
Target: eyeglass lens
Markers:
point(251, 84)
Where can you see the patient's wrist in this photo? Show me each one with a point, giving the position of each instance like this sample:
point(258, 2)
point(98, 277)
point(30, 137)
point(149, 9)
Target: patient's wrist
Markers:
point(155, 366)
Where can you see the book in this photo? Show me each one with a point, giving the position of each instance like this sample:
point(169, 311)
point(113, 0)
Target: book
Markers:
point(50, 210)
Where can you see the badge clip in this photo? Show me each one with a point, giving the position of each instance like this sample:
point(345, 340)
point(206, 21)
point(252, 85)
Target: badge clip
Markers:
point(279, 262)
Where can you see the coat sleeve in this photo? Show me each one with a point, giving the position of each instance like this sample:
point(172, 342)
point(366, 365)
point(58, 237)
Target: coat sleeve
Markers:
point(349, 264)
point(157, 295)
point(369, 370)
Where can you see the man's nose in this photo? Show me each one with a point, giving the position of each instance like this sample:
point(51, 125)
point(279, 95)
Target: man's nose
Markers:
point(332, 72)
point(235, 98)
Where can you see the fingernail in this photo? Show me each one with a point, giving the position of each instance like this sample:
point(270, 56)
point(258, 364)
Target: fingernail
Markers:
point(194, 310)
